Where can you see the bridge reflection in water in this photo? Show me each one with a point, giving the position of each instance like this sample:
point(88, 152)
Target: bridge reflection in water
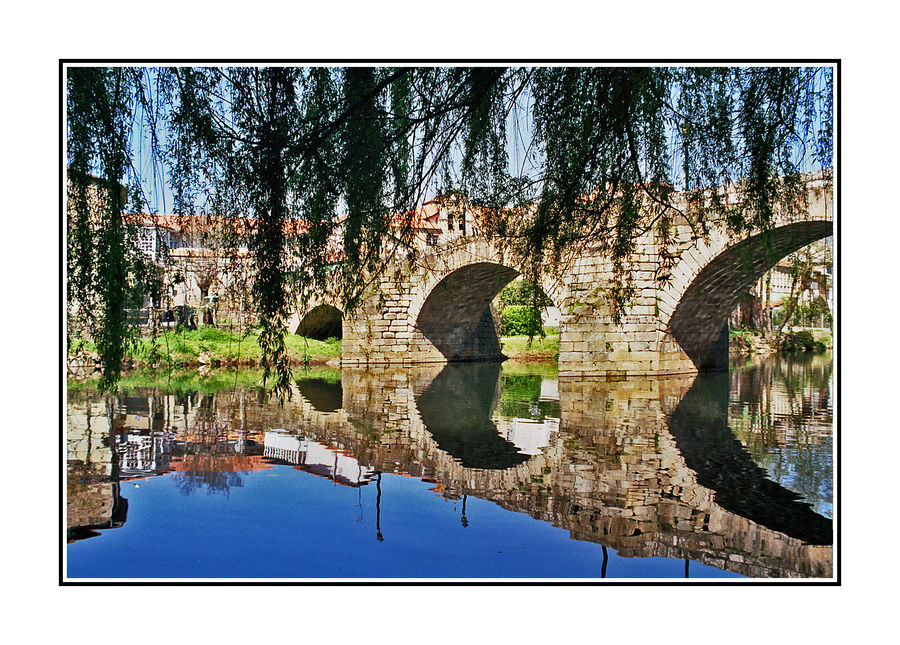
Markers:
point(648, 467)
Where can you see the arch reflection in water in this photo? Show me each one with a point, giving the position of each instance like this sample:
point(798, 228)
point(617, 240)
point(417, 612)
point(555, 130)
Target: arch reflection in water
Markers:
point(456, 409)
point(324, 394)
point(701, 430)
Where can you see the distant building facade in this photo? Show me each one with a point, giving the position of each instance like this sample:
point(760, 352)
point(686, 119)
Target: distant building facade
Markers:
point(773, 291)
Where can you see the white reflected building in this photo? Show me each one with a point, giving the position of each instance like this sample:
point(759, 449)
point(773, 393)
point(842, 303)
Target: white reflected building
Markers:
point(528, 435)
point(549, 389)
point(142, 455)
point(316, 458)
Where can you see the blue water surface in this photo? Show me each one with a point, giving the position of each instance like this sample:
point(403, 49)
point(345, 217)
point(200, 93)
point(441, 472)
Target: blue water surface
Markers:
point(287, 523)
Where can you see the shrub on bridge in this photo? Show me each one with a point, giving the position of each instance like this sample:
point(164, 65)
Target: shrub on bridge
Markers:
point(520, 320)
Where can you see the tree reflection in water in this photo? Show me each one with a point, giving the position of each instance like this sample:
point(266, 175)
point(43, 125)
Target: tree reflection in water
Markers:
point(781, 411)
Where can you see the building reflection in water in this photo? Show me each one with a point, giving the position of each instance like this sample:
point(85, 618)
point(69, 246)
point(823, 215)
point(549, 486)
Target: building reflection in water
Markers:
point(316, 458)
point(201, 439)
point(649, 468)
point(93, 499)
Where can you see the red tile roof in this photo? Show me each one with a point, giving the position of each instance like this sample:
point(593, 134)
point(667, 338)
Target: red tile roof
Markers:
point(187, 223)
point(421, 219)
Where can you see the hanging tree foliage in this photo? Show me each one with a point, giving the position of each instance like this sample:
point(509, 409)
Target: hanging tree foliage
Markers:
point(564, 157)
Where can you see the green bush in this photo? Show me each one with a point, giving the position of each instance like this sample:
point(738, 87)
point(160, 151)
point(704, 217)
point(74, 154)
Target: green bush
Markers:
point(520, 320)
point(523, 292)
point(740, 339)
point(801, 341)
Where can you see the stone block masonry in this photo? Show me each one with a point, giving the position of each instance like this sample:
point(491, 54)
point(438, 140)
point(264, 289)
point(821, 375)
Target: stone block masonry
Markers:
point(437, 310)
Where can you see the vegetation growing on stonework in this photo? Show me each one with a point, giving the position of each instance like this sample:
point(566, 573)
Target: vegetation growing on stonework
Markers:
point(557, 159)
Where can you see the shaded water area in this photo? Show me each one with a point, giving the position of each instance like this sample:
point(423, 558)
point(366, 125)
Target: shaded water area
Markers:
point(483, 471)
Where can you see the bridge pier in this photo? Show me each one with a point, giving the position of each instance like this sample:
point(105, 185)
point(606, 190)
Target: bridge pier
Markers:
point(593, 343)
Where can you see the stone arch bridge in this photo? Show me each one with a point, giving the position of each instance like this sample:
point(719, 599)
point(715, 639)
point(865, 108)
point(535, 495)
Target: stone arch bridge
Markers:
point(438, 310)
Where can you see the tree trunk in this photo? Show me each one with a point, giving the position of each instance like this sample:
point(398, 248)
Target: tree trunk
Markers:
point(791, 304)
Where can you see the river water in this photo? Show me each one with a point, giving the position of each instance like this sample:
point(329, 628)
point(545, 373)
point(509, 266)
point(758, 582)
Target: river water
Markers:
point(478, 471)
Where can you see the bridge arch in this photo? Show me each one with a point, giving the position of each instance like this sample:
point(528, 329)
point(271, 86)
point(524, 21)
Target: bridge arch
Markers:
point(321, 322)
point(710, 293)
point(713, 274)
point(450, 310)
point(679, 327)
point(456, 316)
point(434, 307)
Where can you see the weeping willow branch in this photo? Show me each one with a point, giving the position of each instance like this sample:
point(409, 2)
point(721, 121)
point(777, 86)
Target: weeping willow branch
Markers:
point(309, 168)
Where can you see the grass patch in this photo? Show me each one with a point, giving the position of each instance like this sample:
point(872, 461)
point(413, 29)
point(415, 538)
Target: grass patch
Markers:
point(523, 348)
point(224, 347)
point(544, 369)
point(300, 347)
point(177, 381)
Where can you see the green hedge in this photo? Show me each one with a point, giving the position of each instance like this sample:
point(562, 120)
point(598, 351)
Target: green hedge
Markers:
point(520, 320)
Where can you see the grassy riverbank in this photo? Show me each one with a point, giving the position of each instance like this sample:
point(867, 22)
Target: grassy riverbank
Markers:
point(215, 351)
point(210, 345)
point(222, 347)
point(817, 341)
point(537, 349)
